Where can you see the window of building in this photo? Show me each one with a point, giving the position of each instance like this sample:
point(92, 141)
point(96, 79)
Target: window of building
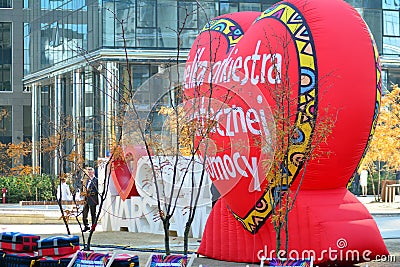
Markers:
point(146, 13)
point(391, 23)
point(391, 27)
point(5, 3)
point(144, 92)
point(268, 3)
point(207, 11)
point(63, 4)
point(393, 78)
point(167, 17)
point(391, 45)
point(391, 4)
point(188, 15)
point(228, 7)
point(192, 18)
point(155, 23)
point(46, 56)
point(5, 56)
point(46, 124)
point(377, 4)
point(250, 7)
point(27, 39)
point(146, 34)
point(27, 124)
point(5, 124)
point(141, 73)
point(126, 14)
point(27, 131)
point(5, 136)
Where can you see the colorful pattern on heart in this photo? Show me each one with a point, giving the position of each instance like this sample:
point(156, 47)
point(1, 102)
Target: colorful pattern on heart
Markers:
point(229, 28)
point(306, 108)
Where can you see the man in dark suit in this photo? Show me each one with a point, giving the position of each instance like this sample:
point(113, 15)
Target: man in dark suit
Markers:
point(91, 199)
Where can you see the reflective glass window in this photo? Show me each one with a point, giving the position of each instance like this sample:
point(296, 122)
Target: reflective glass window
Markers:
point(146, 13)
point(267, 4)
point(141, 73)
point(384, 81)
point(372, 3)
point(5, 56)
point(188, 37)
point(125, 12)
point(62, 4)
point(167, 17)
point(5, 3)
point(393, 77)
point(249, 7)
point(27, 124)
point(391, 4)
point(5, 136)
point(226, 7)
point(110, 24)
point(391, 45)
point(188, 14)
point(5, 123)
point(355, 3)
point(146, 37)
point(391, 23)
point(26, 48)
point(208, 11)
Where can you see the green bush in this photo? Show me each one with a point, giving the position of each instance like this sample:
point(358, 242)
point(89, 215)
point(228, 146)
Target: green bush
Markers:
point(27, 187)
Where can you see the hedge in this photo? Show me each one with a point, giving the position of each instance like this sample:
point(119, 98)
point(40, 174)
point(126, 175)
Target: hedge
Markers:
point(27, 188)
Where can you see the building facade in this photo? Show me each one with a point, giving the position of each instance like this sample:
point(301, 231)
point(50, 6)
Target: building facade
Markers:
point(76, 58)
point(383, 19)
point(79, 53)
point(15, 102)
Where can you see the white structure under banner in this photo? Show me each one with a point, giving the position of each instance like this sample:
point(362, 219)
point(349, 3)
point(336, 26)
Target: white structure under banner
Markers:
point(140, 213)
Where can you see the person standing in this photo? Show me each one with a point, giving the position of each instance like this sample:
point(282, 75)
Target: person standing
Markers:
point(63, 191)
point(364, 182)
point(91, 195)
point(356, 184)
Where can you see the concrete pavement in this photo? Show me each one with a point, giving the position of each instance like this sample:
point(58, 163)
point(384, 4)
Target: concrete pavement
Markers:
point(386, 215)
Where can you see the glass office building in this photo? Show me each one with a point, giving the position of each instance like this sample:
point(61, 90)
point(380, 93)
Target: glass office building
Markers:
point(383, 19)
point(75, 55)
point(15, 102)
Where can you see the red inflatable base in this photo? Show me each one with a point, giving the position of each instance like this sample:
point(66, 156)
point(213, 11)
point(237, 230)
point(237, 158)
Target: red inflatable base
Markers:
point(330, 225)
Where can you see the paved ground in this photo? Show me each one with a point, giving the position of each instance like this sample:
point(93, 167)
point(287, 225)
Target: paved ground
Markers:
point(386, 215)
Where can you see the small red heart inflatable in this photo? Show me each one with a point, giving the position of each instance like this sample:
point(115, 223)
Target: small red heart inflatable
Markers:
point(124, 171)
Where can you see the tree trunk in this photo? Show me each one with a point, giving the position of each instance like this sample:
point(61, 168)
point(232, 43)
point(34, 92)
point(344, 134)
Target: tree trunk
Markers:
point(186, 236)
point(63, 216)
point(166, 225)
point(379, 181)
point(373, 188)
point(278, 240)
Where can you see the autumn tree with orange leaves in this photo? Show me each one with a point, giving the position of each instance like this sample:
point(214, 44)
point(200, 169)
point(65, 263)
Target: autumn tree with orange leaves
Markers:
point(12, 154)
point(384, 152)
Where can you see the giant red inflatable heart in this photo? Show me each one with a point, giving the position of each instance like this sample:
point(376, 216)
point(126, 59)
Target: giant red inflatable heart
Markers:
point(282, 41)
point(328, 69)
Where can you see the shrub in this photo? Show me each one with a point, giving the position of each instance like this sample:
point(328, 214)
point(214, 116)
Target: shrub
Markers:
point(27, 187)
